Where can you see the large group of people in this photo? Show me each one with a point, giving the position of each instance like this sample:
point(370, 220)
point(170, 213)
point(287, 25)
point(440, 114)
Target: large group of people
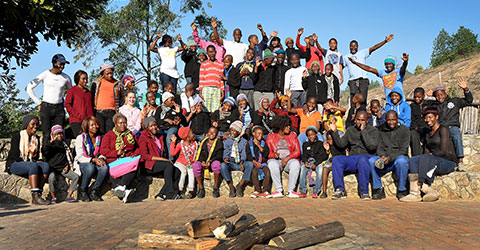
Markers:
point(249, 107)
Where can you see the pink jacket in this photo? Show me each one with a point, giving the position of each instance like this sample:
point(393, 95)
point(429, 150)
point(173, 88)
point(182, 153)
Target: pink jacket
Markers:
point(204, 44)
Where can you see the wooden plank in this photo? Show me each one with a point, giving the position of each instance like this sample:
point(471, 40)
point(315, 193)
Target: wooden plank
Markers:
point(203, 228)
point(165, 241)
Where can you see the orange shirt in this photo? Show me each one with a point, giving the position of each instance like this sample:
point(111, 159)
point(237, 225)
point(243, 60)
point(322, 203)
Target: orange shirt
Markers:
point(106, 95)
point(307, 120)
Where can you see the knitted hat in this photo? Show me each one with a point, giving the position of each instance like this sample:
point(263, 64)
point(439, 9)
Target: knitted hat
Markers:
point(439, 89)
point(147, 121)
point(197, 100)
point(312, 128)
point(57, 129)
point(315, 62)
point(267, 54)
point(26, 120)
point(241, 96)
point(283, 98)
point(200, 51)
point(166, 96)
point(237, 125)
point(390, 59)
point(280, 51)
point(105, 67)
point(230, 100)
point(191, 43)
point(183, 132)
point(288, 39)
point(261, 99)
point(126, 79)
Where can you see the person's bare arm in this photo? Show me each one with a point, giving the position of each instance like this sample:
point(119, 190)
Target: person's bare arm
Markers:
point(380, 44)
point(153, 46)
point(215, 31)
point(289, 105)
point(403, 69)
point(182, 44)
point(364, 67)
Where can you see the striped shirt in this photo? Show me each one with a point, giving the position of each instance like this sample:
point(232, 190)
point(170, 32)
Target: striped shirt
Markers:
point(211, 75)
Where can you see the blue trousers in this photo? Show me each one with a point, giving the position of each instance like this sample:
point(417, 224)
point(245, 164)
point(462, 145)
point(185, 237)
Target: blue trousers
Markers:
point(400, 165)
point(342, 164)
point(27, 168)
point(167, 133)
point(164, 78)
point(318, 179)
point(444, 166)
point(88, 170)
point(457, 140)
point(227, 168)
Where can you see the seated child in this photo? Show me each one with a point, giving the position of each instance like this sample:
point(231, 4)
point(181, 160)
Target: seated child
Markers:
point(358, 102)
point(186, 150)
point(375, 113)
point(209, 157)
point(198, 119)
point(150, 106)
point(257, 152)
point(152, 86)
point(244, 112)
point(332, 150)
point(283, 110)
point(395, 101)
point(187, 98)
point(235, 159)
point(333, 113)
point(60, 160)
point(314, 153)
point(222, 118)
point(168, 117)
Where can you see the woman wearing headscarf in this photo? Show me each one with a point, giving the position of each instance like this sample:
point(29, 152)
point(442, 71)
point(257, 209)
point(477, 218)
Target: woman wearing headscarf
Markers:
point(120, 147)
point(23, 158)
point(263, 116)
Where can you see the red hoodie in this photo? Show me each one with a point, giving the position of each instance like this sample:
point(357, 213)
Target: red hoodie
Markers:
point(315, 55)
point(293, 145)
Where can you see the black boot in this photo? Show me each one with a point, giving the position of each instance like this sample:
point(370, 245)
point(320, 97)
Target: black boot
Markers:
point(82, 195)
point(378, 194)
point(94, 195)
point(38, 200)
point(201, 193)
point(401, 194)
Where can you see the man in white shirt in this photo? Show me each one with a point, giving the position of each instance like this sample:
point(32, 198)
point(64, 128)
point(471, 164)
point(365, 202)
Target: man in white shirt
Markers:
point(51, 107)
point(358, 81)
point(235, 48)
point(293, 81)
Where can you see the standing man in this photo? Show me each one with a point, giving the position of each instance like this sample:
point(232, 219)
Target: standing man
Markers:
point(358, 81)
point(263, 81)
point(51, 106)
point(235, 48)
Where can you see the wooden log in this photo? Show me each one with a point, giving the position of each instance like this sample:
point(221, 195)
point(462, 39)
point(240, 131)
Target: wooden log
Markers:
point(256, 235)
point(227, 229)
point(178, 230)
point(222, 231)
point(309, 236)
point(204, 227)
point(165, 241)
point(264, 247)
point(207, 244)
point(226, 211)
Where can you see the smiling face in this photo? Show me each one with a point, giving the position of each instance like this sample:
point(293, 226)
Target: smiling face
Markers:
point(332, 44)
point(265, 104)
point(169, 87)
point(153, 87)
point(234, 133)
point(315, 68)
point(290, 44)
point(237, 35)
point(227, 106)
point(431, 119)
point(82, 81)
point(389, 66)
point(130, 85)
point(108, 74)
point(202, 57)
point(312, 136)
point(253, 39)
point(311, 104)
point(193, 47)
point(227, 62)
point(151, 99)
point(169, 102)
point(212, 133)
point(391, 119)
point(32, 127)
point(441, 96)
point(280, 59)
point(375, 106)
point(93, 127)
point(59, 66)
point(242, 103)
point(284, 104)
point(121, 124)
point(249, 55)
point(211, 53)
point(152, 127)
point(275, 43)
point(353, 47)
point(131, 98)
point(328, 70)
point(212, 38)
point(199, 106)
point(418, 97)
point(258, 134)
point(395, 97)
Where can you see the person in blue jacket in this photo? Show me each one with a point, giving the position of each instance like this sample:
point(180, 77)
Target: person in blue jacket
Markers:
point(396, 102)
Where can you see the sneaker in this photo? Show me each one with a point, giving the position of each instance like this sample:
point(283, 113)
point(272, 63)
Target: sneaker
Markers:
point(239, 191)
point(315, 195)
point(53, 201)
point(378, 194)
point(201, 193)
point(70, 200)
point(401, 194)
point(160, 197)
point(94, 195)
point(277, 194)
point(119, 191)
point(266, 195)
point(294, 194)
point(255, 195)
point(324, 195)
point(339, 194)
point(216, 193)
point(233, 193)
point(365, 197)
point(177, 197)
point(380, 163)
point(189, 195)
point(125, 196)
point(302, 195)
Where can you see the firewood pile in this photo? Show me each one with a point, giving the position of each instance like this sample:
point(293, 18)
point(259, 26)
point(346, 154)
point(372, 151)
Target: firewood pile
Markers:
point(215, 231)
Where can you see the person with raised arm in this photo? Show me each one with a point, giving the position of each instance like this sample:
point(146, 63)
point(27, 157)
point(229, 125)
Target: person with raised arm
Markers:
point(236, 48)
point(213, 41)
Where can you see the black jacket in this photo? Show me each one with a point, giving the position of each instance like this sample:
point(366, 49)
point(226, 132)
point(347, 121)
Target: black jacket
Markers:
point(256, 151)
point(171, 114)
point(55, 154)
point(350, 119)
point(317, 86)
point(234, 82)
point(200, 123)
point(394, 142)
point(260, 119)
point(359, 142)
point(263, 79)
point(224, 125)
point(314, 150)
point(418, 122)
point(217, 154)
point(279, 77)
point(450, 109)
point(14, 153)
point(290, 51)
point(190, 59)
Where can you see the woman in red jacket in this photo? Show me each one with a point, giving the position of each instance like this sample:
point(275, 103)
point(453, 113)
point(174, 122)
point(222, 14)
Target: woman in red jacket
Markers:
point(116, 144)
point(78, 102)
point(284, 151)
point(151, 149)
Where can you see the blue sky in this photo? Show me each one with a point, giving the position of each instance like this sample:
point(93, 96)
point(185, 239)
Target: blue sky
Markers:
point(415, 24)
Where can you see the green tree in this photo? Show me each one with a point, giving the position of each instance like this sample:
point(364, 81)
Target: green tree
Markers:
point(464, 42)
point(22, 21)
point(447, 48)
point(418, 69)
point(12, 108)
point(442, 51)
point(374, 84)
point(128, 31)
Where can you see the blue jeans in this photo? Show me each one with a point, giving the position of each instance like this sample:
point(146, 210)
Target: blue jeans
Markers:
point(164, 78)
point(400, 165)
point(457, 140)
point(27, 168)
point(303, 179)
point(227, 168)
point(167, 133)
point(444, 166)
point(88, 170)
point(188, 79)
point(342, 164)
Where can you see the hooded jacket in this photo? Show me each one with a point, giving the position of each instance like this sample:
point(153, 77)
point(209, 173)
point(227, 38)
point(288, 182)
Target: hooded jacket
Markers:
point(393, 142)
point(360, 142)
point(402, 108)
point(293, 145)
point(450, 109)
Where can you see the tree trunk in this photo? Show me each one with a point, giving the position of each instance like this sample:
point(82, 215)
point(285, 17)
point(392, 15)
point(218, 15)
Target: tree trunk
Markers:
point(226, 211)
point(257, 235)
point(309, 236)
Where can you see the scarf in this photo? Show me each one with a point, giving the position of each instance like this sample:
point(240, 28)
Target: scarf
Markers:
point(119, 143)
point(265, 120)
point(89, 149)
point(246, 118)
point(211, 149)
point(236, 150)
point(329, 86)
point(165, 110)
point(28, 146)
point(189, 151)
point(224, 114)
point(69, 155)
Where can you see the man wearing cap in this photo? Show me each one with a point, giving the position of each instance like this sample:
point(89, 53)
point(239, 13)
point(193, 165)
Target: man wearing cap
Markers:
point(235, 48)
point(358, 81)
point(189, 56)
point(391, 77)
point(264, 74)
point(51, 106)
point(108, 96)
